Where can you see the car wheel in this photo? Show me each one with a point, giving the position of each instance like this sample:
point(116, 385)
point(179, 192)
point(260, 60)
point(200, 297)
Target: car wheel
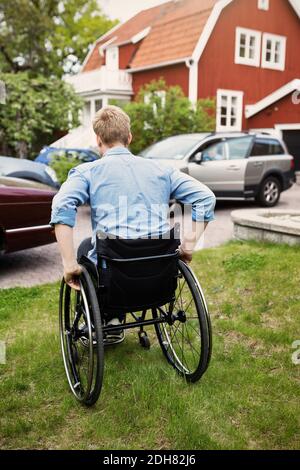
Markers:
point(269, 193)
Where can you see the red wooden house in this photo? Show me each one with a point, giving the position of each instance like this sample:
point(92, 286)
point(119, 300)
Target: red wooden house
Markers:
point(243, 52)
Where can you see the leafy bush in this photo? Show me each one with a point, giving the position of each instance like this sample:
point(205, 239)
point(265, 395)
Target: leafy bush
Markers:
point(161, 111)
point(62, 165)
point(35, 107)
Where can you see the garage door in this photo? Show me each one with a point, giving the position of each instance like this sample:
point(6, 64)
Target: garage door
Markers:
point(292, 140)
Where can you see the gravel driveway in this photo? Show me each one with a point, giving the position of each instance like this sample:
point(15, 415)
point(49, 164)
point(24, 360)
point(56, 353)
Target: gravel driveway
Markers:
point(41, 265)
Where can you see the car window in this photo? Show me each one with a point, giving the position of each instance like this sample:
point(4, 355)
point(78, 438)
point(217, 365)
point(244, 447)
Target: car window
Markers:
point(57, 153)
point(263, 147)
point(85, 157)
point(73, 154)
point(239, 148)
point(214, 152)
point(173, 147)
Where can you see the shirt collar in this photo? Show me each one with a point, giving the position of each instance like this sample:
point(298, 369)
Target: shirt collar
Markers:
point(117, 151)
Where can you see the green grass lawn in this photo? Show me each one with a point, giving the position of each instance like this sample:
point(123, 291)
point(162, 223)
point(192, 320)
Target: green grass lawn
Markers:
point(248, 398)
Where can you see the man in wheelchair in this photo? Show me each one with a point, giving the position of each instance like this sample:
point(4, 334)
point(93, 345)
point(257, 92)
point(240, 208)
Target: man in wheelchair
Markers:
point(129, 199)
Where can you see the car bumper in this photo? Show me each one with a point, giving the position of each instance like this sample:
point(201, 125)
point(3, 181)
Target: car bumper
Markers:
point(289, 178)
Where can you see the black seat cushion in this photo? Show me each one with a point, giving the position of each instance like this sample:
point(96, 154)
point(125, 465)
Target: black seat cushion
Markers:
point(138, 273)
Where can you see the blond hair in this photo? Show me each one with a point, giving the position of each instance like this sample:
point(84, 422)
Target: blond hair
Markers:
point(112, 125)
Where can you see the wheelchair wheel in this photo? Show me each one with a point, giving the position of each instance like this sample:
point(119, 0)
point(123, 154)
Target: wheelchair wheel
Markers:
point(81, 339)
point(185, 335)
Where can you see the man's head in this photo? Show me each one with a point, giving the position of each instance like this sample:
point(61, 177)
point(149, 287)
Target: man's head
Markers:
point(112, 128)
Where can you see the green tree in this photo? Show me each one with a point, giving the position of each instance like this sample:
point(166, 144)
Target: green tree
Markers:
point(48, 37)
point(34, 109)
point(161, 111)
point(40, 40)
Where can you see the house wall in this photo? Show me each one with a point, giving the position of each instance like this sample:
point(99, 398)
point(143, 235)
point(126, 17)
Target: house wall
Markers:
point(177, 74)
point(126, 53)
point(217, 68)
point(282, 112)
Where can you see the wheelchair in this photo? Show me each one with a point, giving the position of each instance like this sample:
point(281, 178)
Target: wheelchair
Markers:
point(143, 282)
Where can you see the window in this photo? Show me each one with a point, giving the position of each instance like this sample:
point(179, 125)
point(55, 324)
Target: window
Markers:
point(265, 147)
point(229, 110)
point(263, 5)
point(112, 58)
point(273, 52)
point(239, 148)
point(247, 47)
point(98, 105)
point(214, 152)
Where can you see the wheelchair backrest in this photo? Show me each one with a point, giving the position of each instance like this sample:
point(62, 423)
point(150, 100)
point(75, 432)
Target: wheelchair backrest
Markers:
point(136, 274)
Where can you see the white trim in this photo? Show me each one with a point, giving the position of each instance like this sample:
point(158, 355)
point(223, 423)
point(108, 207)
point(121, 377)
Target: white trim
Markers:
point(296, 5)
point(105, 45)
point(249, 33)
point(229, 94)
point(288, 127)
point(253, 109)
point(141, 35)
point(208, 28)
point(159, 65)
point(274, 38)
point(193, 82)
point(26, 229)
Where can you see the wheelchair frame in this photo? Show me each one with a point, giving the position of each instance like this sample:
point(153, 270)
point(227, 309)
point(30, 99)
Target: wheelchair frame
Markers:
point(162, 320)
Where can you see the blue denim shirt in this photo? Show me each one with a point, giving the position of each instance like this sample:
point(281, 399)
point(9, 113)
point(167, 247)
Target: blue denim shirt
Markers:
point(129, 195)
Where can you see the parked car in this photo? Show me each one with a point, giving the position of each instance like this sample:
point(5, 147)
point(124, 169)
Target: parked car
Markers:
point(22, 183)
point(83, 155)
point(26, 169)
point(24, 218)
point(239, 165)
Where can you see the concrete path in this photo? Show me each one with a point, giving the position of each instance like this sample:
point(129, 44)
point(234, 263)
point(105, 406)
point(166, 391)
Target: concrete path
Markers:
point(41, 265)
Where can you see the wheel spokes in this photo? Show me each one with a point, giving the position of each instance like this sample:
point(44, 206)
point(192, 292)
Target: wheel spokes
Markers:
point(182, 338)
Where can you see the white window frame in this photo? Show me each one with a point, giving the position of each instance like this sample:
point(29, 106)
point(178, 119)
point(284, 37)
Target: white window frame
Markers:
point(112, 62)
point(272, 64)
point(263, 5)
point(229, 94)
point(255, 61)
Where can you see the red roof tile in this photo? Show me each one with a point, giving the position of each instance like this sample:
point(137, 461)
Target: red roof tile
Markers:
point(176, 34)
point(125, 32)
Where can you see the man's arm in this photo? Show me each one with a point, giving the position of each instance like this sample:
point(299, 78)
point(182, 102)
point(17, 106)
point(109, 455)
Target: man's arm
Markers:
point(73, 193)
point(64, 237)
point(189, 191)
point(190, 240)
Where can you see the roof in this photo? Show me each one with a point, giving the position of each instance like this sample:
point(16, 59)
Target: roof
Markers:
point(168, 39)
point(124, 32)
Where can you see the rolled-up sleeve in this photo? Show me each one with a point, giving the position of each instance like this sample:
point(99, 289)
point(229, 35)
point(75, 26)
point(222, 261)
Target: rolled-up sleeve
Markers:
point(188, 190)
point(73, 193)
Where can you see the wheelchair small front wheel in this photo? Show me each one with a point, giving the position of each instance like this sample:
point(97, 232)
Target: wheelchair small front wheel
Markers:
point(81, 339)
point(184, 333)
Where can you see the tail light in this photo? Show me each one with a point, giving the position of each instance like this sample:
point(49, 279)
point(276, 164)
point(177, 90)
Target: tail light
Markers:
point(293, 164)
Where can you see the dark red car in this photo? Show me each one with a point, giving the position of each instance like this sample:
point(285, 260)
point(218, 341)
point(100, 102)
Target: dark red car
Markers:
point(24, 218)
